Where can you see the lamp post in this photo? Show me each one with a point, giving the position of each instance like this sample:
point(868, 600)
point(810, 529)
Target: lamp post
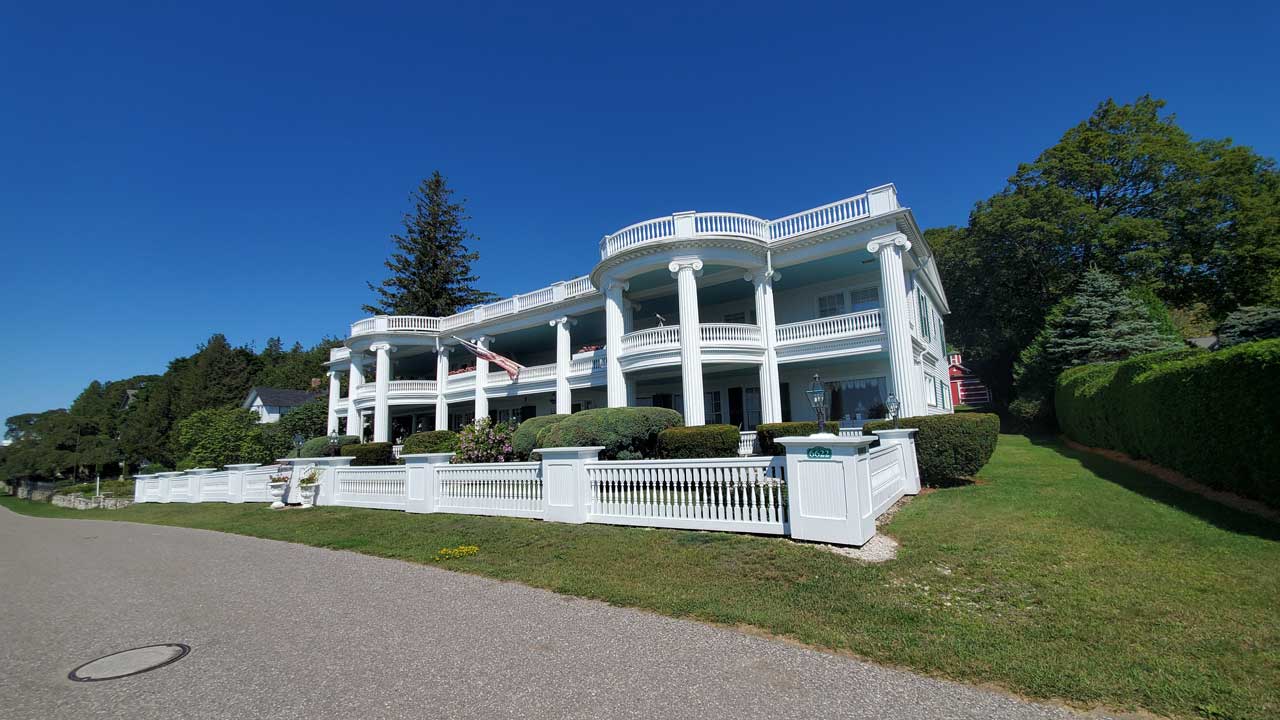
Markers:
point(891, 404)
point(817, 395)
point(333, 443)
point(298, 440)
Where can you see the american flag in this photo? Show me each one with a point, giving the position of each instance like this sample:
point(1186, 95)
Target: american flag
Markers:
point(512, 367)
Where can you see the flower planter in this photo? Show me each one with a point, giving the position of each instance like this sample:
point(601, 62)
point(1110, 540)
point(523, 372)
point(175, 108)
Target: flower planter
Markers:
point(309, 493)
point(277, 490)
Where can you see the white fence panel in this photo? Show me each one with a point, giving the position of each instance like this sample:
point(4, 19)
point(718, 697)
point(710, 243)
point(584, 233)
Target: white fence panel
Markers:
point(214, 487)
point(888, 477)
point(151, 490)
point(255, 483)
point(378, 486)
point(509, 489)
point(735, 494)
point(180, 489)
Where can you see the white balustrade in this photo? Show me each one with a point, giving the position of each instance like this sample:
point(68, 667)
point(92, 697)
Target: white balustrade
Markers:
point(381, 486)
point(507, 489)
point(748, 443)
point(411, 386)
point(579, 286)
point(860, 323)
point(413, 322)
point(537, 372)
point(651, 338)
point(730, 334)
point(739, 494)
point(841, 211)
point(718, 223)
point(366, 390)
point(850, 432)
point(361, 327)
point(632, 235)
point(587, 365)
point(545, 296)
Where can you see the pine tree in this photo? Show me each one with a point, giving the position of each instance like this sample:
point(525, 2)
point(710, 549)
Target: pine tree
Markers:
point(431, 269)
point(1100, 322)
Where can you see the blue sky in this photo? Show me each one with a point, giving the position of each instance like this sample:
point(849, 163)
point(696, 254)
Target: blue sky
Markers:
point(168, 172)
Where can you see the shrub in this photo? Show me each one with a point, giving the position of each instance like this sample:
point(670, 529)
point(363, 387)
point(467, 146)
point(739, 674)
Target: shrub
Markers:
point(704, 441)
point(485, 442)
point(1256, 322)
point(949, 448)
point(431, 441)
point(220, 436)
point(319, 446)
point(525, 438)
point(1211, 416)
point(625, 433)
point(374, 453)
point(153, 468)
point(308, 419)
point(767, 433)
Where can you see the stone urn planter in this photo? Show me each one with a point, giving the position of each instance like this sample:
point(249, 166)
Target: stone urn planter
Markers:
point(276, 491)
point(309, 492)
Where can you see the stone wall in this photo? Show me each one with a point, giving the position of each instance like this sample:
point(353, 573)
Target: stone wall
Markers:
point(38, 491)
point(80, 502)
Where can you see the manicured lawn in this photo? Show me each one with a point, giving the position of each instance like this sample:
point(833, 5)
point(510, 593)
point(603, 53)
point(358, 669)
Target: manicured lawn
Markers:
point(1059, 576)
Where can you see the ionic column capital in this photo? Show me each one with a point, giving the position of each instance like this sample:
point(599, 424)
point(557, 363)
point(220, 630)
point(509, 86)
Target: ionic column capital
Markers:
point(757, 277)
point(694, 264)
point(563, 320)
point(382, 347)
point(613, 286)
point(889, 241)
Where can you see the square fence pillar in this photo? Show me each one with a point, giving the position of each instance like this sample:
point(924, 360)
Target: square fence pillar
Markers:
point(422, 487)
point(906, 437)
point(829, 489)
point(235, 481)
point(565, 486)
point(140, 487)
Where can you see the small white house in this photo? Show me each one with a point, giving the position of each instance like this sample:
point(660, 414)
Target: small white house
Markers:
point(271, 403)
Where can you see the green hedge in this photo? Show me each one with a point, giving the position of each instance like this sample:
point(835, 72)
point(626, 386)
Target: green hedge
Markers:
point(375, 453)
point(319, 446)
point(766, 433)
point(625, 433)
point(1210, 416)
point(950, 449)
point(525, 438)
point(431, 441)
point(705, 441)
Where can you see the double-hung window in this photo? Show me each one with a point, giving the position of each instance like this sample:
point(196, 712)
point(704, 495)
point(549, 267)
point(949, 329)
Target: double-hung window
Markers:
point(711, 407)
point(829, 305)
point(864, 299)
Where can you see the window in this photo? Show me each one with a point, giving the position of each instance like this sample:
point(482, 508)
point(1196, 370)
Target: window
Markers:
point(737, 317)
point(931, 387)
point(829, 305)
point(753, 413)
point(856, 401)
point(922, 303)
point(864, 299)
point(711, 406)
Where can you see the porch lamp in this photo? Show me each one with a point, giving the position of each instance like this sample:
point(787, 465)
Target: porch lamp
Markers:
point(333, 443)
point(891, 404)
point(817, 395)
point(297, 443)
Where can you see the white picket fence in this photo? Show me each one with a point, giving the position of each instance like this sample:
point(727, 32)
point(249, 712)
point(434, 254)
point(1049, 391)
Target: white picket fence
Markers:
point(842, 490)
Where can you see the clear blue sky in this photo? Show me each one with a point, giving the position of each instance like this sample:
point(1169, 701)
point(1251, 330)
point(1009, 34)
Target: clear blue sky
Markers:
point(168, 172)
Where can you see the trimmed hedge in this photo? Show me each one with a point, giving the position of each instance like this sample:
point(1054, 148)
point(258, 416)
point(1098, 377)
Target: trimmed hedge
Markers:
point(704, 441)
point(430, 441)
point(1210, 416)
point(319, 446)
point(374, 453)
point(525, 438)
point(627, 433)
point(766, 433)
point(950, 449)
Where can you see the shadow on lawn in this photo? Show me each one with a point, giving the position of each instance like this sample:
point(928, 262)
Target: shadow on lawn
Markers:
point(1133, 479)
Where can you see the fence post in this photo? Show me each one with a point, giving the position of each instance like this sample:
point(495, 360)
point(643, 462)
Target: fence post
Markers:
point(829, 489)
point(906, 437)
point(565, 484)
point(235, 481)
point(423, 487)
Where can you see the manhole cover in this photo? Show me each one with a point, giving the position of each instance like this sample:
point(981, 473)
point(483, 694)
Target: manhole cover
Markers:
point(129, 662)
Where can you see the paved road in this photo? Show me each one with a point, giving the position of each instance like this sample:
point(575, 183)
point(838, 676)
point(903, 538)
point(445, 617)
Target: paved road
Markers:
point(287, 631)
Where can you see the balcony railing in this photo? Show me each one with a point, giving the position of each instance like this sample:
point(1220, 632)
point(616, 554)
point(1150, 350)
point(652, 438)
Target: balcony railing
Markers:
point(866, 322)
point(413, 386)
point(731, 334)
point(668, 336)
point(651, 339)
point(587, 365)
point(840, 211)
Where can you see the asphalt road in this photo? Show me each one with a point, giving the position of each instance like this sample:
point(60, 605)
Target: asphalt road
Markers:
point(287, 631)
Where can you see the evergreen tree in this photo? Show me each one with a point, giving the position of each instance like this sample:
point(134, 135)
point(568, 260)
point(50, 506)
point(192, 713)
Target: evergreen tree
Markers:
point(431, 268)
point(1100, 322)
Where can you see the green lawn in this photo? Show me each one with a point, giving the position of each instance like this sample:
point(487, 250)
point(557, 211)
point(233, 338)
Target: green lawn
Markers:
point(1060, 575)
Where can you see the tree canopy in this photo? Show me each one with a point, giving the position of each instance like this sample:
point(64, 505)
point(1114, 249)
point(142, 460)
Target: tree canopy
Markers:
point(431, 266)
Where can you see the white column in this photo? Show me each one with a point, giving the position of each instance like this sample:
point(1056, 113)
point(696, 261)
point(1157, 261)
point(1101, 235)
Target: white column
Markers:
point(482, 379)
point(896, 321)
point(382, 387)
point(616, 385)
point(686, 272)
point(354, 380)
point(770, 387)
point(564, 354)
point(442, 384)
point(335, 397)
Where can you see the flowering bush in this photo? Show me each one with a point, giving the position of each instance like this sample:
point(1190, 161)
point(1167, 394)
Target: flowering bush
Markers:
point(456, 552)
point(485, 441)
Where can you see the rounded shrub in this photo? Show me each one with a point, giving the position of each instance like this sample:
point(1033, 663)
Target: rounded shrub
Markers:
point(767, 433)
point(626, 433)
point(485, 442)
point(319, 446)
point(374, 453)
point(430, 441)
point(950, 449)
point(704, 441)
point(525, 438)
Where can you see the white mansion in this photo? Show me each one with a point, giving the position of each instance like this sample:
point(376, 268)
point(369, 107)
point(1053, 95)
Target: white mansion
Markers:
point(722, 316)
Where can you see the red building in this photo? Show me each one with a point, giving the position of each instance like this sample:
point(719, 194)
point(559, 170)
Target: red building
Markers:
point(966, 388)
